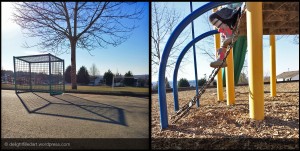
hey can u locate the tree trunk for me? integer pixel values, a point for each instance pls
(73, 64)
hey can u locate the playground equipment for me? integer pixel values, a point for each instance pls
(43, 73)
(183, 52)
(254, 12)
(195, 62)
(239, 55)
(184, 110)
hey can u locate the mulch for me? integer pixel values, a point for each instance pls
(215, 125)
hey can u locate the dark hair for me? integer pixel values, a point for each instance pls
(230, 21)
(213, 16)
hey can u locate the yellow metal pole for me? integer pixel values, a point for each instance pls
(230, 79)
(219, 75)
(273, 65)
(254, 39)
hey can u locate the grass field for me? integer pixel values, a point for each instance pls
(108, 88)
(90, 88)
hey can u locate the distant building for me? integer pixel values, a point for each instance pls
(6, 78)
(139, 80)
(288, 76)
(97, 80)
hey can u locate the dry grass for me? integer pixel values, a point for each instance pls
(87, 88)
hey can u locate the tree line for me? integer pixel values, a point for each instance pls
(85, 77)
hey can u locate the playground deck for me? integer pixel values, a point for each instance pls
(215, 119)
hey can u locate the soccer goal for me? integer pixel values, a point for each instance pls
(42, 73)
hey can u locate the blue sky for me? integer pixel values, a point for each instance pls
(287, 53)
(131, 55)
(134, 53)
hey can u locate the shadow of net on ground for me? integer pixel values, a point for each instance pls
(70, 106)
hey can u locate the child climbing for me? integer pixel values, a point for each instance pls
(225, 20)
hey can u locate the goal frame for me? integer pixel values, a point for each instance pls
(39, 73)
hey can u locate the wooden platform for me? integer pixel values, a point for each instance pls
(279, 18)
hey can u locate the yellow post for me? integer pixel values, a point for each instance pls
(219, 75)
(255, 67)
(273, 66)
(230, 79)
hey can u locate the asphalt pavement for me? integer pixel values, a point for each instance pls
(39, 115)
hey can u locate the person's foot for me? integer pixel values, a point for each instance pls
(218, 62)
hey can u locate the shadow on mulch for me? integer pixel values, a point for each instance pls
(275, 121)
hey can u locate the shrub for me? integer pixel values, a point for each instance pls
(183, 83)
(83, 76)
(201, 82)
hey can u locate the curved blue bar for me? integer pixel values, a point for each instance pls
(165, 55)
(180, 57)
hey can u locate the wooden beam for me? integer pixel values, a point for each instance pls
(283, 23)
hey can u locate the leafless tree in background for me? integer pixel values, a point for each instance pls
(94, 70)
(163, 22)
(207, 44)
(61, 27)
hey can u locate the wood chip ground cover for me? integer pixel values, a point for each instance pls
(216, 122)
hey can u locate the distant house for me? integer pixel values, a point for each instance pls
(141, 80)
(6, 78)
(97, 80)
(288, 76)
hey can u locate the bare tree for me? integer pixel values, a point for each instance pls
(94, 70)
(118, 75)
(207, 44)
(163, 22)
(62, 26)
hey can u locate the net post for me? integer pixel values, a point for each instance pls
(63, 76)
(49, 79)
(15, 74)
(30, 77)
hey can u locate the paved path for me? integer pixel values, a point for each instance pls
(39, 115)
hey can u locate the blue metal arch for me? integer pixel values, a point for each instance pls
(165, 55)
(180, 57)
